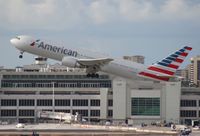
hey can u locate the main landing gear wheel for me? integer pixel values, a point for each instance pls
(93, 75)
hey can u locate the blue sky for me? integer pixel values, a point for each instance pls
(150, 28)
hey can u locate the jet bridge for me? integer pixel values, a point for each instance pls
(66, 117)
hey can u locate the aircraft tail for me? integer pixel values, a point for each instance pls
(166, 68)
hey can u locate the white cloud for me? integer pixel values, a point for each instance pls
(49, 14)
(102, 11)
(62, 14)
(180, 10)
(135, 11)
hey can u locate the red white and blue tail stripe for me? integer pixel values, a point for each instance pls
(167, 67)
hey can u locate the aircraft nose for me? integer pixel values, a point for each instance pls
(21, 42)
(14, 41)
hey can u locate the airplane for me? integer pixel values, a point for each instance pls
(163, 70)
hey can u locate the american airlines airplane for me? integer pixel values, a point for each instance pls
(163, 70)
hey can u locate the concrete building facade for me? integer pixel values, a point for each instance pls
(146, 101)
(136, 58)
(195, 70)
(189, 105)
(25, 91)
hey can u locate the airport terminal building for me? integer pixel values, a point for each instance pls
(26, 90)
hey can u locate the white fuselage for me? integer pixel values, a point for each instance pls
(118, 67)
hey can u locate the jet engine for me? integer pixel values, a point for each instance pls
(70, 62)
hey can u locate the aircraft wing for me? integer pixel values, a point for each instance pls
(94, 62)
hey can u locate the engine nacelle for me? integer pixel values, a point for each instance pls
(70, 62)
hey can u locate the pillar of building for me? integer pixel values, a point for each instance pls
(171, 94)
(36, 117)
(17, 111)
(103, 103)
(119, 99)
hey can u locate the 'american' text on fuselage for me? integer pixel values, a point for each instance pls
(57, 49)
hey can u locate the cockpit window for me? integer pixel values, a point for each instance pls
(37, 40)
(17, 38)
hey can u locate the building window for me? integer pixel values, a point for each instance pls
(188, 113)
(110, 102)
(8, 113)
(95, 113)
(81, 112)
(42, 83)
(44, 102)
(145, 106)
(110, 113)
(27, 113)
(8, 102)
(26, 102)
(47, 110)
(62, 102)
(80, 102)
(94, 102)
(63, 110)
(188, 103)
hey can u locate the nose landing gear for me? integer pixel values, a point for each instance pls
(21, 55)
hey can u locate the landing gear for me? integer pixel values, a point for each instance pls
(93, 75)
(21, 55)
(92, 71)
